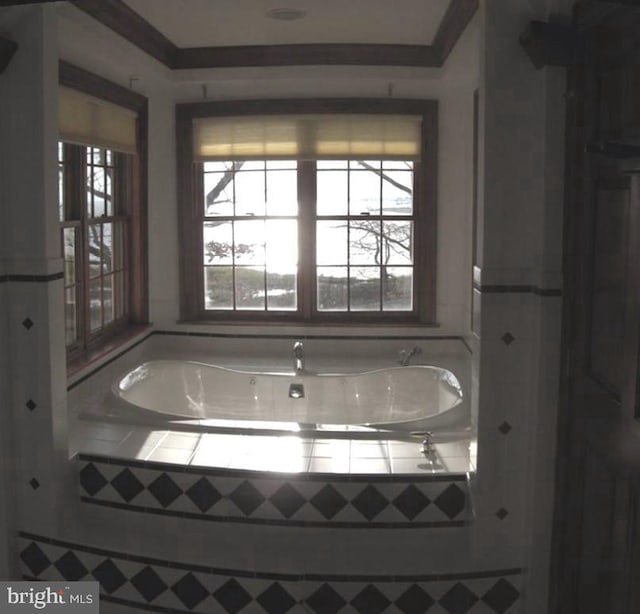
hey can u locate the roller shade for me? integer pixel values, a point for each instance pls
(86, 120)
(307, 137)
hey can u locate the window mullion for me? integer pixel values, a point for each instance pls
(349, 212)
(83, 196)
(306, 237)
(234, 293)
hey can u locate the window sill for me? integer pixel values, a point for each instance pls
(325, 323)
(80, 366)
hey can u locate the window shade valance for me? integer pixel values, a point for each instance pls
(86, 120)
(307, 137)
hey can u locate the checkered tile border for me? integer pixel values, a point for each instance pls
(398, 501)
(177, 588)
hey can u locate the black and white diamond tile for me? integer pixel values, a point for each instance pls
(177, 587)
(280, 499)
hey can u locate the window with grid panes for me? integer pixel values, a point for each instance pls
(102, 185)
(328, 239)
(93, 185)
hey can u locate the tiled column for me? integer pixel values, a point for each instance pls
(34, 320)
(517, 297)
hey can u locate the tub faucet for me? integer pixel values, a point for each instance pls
(298, 357)
(405, 356)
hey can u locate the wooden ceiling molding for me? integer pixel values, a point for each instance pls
(454, 22)
(123, 20)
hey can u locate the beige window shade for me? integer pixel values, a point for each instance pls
(307, 137)
(86, 120)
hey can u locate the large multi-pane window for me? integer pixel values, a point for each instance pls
(94, 216)
(362, 227)
(102, 209)
(343, 235)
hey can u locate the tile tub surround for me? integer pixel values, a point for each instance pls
(180, 444)
(174, 587)
(258, 497)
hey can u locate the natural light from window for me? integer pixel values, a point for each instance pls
(359, 235)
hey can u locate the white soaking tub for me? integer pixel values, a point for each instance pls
(398, 399)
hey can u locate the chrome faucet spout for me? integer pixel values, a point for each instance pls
(405, 356)
(298, 357)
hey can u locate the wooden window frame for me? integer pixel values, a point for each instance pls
(190, 215)
(131, 190)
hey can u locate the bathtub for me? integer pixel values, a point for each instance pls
(402, 399)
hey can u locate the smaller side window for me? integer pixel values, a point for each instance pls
(94, 213)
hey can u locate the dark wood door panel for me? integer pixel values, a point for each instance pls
(608, 530)
(596, 564)
(594, 587)
(633, 577)
(609, 286)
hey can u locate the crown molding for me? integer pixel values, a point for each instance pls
(123, 20)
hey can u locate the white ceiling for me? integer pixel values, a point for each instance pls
(211, 23)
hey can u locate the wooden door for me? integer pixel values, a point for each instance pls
(596, 538)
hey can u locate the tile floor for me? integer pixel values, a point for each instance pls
(279, 453)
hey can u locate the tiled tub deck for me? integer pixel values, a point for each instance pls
(284, 483)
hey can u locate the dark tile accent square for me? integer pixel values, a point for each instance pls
(164, 489)
(325, 600)
(414, 601)
(370, 502)
(31, 404)
(505, 427)
(149, 584)
(411, 501)
(232, 597)
(127, 485)
(276, 600)
(27, 323)
(287, 500)
(190, 591)
(34, 484)
(203, 495)
(247, 497)
(91, 480)
(502, 513)
(70, 566)
(451, 501)
(501, 596)
(36, 560)
(370, 601)
(508, 338)
(458, 600)
(328, 501)
(109, 576)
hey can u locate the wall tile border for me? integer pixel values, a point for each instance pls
(31, 278)
(517, 289)
(296, 500)
(176, 587)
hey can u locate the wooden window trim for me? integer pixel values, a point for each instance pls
(136, 244)
(189, 216)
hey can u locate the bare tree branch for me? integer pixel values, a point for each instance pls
(228, 175)
(378, 172)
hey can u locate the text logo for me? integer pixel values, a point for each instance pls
(72, 597)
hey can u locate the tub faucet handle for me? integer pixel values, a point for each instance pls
(405, 356)
(298, 356)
